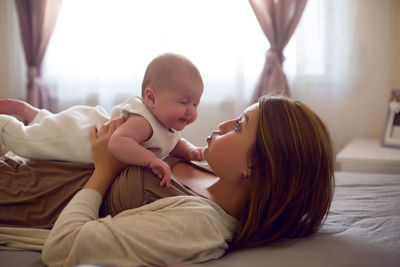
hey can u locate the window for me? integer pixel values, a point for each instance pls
(100, 48)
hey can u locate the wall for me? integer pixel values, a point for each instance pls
(12, 62)
(395, 43)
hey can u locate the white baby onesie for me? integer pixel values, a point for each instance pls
(65, 135)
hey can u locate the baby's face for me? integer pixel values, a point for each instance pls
(176, 107)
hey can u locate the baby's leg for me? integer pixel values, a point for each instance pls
(46, 140)
(61, 136)
(18, 108)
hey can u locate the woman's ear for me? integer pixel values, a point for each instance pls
(249, 171)
(149, 96)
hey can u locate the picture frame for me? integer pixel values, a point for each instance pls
(391, 132)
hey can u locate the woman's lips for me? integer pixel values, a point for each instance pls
(210, 138)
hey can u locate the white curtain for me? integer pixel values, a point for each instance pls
(341, 61)
(338, 61)
(325, 42)
(100, 48)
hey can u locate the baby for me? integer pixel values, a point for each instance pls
(171, 91)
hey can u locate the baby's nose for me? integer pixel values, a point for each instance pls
(191, 111)
(192, 114)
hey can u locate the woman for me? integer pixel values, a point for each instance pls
(272, 178)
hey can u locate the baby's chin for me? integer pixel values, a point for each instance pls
(180, 128)
(181, 125)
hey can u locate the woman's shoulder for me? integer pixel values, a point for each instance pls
(176, 203)
(192, 207)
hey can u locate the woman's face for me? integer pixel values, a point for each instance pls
(229, 148)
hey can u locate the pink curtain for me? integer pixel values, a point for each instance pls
(278, 19)
(37, 19)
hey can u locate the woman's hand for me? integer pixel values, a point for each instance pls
(102, 158)
(106, 165)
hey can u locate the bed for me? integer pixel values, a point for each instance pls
(362, 229)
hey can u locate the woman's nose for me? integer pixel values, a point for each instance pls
(225, 126)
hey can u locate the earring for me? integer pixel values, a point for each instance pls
(245, 175)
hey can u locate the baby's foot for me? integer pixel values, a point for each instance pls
(18, 108)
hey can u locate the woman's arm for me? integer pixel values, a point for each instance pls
(107, 166)
(174, 228)
(84, 206)
(163, 231)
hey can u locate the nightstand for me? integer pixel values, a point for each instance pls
(367, 155)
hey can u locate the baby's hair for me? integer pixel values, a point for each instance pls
(160, 70)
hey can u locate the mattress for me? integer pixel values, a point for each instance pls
(362, 229)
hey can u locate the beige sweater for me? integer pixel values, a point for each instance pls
(183, 228)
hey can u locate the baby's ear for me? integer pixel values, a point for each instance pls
(149, 96)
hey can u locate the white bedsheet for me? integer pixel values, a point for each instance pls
(367, 206)
(362, 229)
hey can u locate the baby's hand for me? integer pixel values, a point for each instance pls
(196, 154)
(162, 170)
